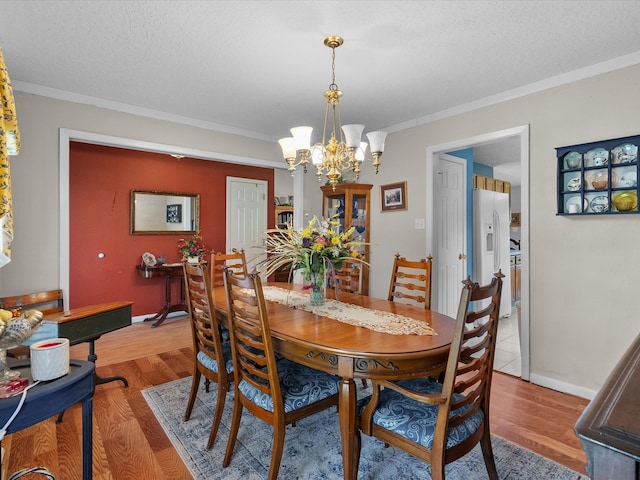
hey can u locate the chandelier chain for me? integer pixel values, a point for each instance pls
(333, 85)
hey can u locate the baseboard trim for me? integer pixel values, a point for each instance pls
(563, 387)
(141, 318)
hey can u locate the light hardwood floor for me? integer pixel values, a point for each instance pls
(128, 442)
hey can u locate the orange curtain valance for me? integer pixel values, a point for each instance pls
(9, 145)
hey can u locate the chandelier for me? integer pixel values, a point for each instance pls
(340, 153)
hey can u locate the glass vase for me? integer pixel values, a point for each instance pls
(316, 284)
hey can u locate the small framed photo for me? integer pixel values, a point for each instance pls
(515, 219)
(393, 197)
(174, 213)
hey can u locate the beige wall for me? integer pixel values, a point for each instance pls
(35, 175)
(583, 270)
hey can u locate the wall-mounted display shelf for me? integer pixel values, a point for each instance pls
(598, 178)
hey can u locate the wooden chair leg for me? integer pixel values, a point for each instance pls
(276, 453)
(217, 416)
(437, 468)
(233, 432)
(489, 459)
(195, 384)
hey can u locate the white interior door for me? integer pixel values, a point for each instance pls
(450, 232)
(246, 216)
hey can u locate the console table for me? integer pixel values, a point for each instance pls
(88, 324)
(168, 272)
(50, 398)
(609, 428)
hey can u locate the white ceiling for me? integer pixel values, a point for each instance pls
(259, 67)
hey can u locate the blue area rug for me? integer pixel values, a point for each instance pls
(312, 447)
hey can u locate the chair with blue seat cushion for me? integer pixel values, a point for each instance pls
(212, 355)
(277, 392)
(440, 422)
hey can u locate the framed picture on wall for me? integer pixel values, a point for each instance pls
(515, 219)
(174, 213)
(393, 197)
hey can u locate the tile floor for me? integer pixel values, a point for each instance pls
(507, 359)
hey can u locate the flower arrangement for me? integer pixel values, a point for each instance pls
(193, 247)
(316, 248)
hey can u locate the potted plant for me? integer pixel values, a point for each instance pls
(192, 249)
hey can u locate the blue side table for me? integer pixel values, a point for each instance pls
(48, 399)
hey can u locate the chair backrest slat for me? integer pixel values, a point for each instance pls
(467, 379)
(411, 280)
(204, 325)
(235, 260)
(349, 277)
(253, 352)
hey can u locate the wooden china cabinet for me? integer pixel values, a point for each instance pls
(350, 203)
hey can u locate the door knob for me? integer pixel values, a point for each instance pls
(462, 256)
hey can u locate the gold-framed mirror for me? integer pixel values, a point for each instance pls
(164, 213)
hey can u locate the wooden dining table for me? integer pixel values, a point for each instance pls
(354, 352)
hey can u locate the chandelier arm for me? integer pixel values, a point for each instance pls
(324, 131)
(337, 120)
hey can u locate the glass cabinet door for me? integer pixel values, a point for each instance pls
(350, 204)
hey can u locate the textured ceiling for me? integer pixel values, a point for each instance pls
(260, 67)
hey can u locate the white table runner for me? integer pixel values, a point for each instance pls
(376, 320)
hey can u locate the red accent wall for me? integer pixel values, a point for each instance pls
(100, 183)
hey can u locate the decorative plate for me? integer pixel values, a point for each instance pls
(573, 205)
(625, 153)
(597, 157)
(149, 259)
(574, 184)
(628, 179)
(625, 201)
(573, 159)
(599, 204)
(600, 179)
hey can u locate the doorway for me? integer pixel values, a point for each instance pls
(66, 136)
(433, 153)
(246, 216)
(449, 263)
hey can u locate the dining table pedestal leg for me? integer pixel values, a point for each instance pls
(347, 412)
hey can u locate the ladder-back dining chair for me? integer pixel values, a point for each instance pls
(440, 422)
(348, 278)
(212, 356)
(277, 392)
(411, 281)
(235, 260)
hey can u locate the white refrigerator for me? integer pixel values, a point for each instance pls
(491, 244)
